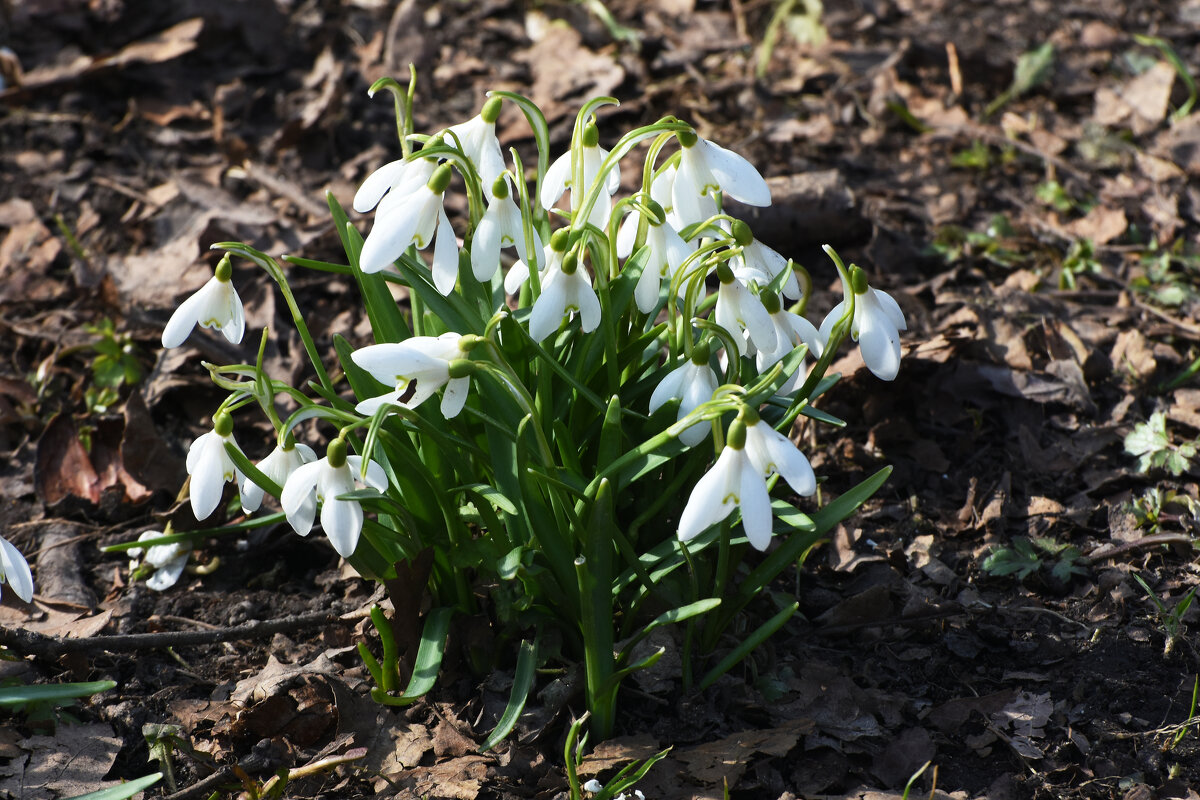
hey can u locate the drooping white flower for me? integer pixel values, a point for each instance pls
(666, 251)
(566, 290)
(740, 312)
(706, 168)
(876, 327)
(424, 359)
(501, 226)
(14, 570)
(324, 481)
(753, 452)
(210, 466)
(278, 465)
(760, 263)
(549, 259)
(214, 305)
(415, 218)
(693, 383)
(558, 179)
(398, 179)
(168, 560)
(479, 143)
(791, 330)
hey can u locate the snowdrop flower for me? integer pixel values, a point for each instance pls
(323, 481)
(667, 252)
(501, 226)
(428, 360)
(753, 452)
(210, 466)
(398, 178)
(168, 560)
(477, 136)
(594, 786)
(549, 259)
(278, 465)
(760, 263)
(876, 326)
(706, 168)
(215, 305)
(566, 290)
(791, 330)
(558, 179)
(741, 313)
(694, 383)
(14, 570)
(416, 219)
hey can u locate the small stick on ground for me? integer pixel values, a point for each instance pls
(51, 647)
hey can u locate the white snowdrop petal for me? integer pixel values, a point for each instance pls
(737, 177)
(369, 406)
(297, 497)
(831, 320)
(15, 570)
(756, 506)
(668, 387)
(455, 397)
(880, 345)
(891, 308)
(445, 256)
(548, 309)
(180, 325)
(485, 247)
(377, 184)
(391, 235)
(342, 521)
(554, 182)
(707, 503)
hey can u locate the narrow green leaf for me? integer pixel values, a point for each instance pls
(125, 790)
(11, 696)
(522, 684)
(429, 656)
(748, 645)
(491, 494)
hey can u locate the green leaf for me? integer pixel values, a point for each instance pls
(491, 494)
(522, 684)
(1033, 69)
(748, 645)
(12, 696)
(429, 659)
(125, 790)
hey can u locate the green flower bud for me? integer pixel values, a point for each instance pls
(224, 270)
(724, 273)
(491, 109)
(658, 212)
(570, 263)
(687, 138)
(460, 368)
(748, 415)
(591, 135)
(440, 179)
(469, 342)
(742, 233)
(558, 240)
(736, 437)
(336, 454)
(500, 188)
(701, 353)
(858, 279)
(770, 301)
(222, 423)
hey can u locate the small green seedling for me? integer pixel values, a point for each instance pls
(1025, 556)
(1032, 70)
(1151, 510)
(1151, 444)
(1170, 619)
(1192, 720)
(1080, 260)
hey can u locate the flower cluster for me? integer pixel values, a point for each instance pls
(584, 350)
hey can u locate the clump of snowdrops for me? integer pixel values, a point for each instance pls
(575, 420)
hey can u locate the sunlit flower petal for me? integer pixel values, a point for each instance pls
(14, 570)
(215, 305)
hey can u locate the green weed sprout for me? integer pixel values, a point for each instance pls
(1170, 619)
(565, 441)
(1151, 444)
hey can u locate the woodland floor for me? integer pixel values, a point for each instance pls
(1047, 256)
